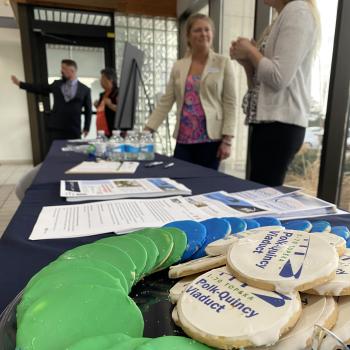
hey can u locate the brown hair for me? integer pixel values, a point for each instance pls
(70, 63)
(193, 19)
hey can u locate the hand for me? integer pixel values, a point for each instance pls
(15, 80)
(96, 103)
(224, 151)
(146, 128)
(108, 102)
(85, 133)
(241, 49)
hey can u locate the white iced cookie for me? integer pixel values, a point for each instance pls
(284, 261)
(316, 310)
(220, 311)
(221, 246)
(340, 285)
(175, 317)
(339, 243)
(342, 326)
(196, 266)
(179, 287)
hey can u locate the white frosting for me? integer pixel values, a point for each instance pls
(176, 291)
(196, 266)
(286, 260)
(337, 286)
(221, 246)
(339, 243)
(225, 311)
(342, 326)
(175, 317)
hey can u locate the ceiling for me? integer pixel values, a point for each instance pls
(165, 8)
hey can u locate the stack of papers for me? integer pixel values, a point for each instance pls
(84, 190)
(103, 167)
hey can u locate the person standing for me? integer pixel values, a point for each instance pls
(202, 85)
(278, 71)
(71, 99)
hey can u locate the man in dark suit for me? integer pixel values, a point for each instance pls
(71, 98)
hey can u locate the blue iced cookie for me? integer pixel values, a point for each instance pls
(251, 224)
(298, 225)
(341, 231)
(237, 224)
(321, 226)
(216, 229)
(348, 243)
(268, 221)
(196, 234)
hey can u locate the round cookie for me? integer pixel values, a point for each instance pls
(176, 291)
(321, 226)
(220, 311)
(131, 344)
(251, 224)
(65, 277)
(111, 255)
(195, 232)
(221, 246)
(258, 230)
(268, 221)
(152, 251)
(283, 261)
(196, 266)
(164, 242)
(237, 224)
(340, 285)
(341, 327)
(135, 250)
(341, 231)
(180, 244)
(175, 317)
(335, 241)
(298, 225)
(68, 314)
(172, 343)
(102, 342)
(216, 229)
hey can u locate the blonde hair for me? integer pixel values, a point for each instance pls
(192, 20)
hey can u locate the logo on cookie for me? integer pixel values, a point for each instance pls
(294, 255)
(344, 263)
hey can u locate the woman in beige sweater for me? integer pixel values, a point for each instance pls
(202, 85)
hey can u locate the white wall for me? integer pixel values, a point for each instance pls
(15, 142)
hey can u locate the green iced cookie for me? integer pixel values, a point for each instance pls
(135, 250)
(152, 251)
(102, 342)
(65, 277)
(164, 242)
(180, 244)
(173, 343)
(130, 344)
(58, 265)
(69, 314)
(112, 255)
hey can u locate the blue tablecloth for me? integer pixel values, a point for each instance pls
(20, 258)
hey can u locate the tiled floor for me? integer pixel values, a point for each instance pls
(9, 176)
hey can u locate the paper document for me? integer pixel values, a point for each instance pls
(104, 167)
(80, 190)
(69, 221)
(261, 194)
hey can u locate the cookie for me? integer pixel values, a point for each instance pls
(341, 231)
(102, 342)
(176, 291)
(221, 246)
(251, 224)
(340, 285)
(172, 343)
(258, 230)
(298, 225)
(175, 317)
(69, 314)
(268, 221)
(197, 266)
(284, 261)
(335, 241)
(237, 224)
(216, 229)
(341, 327)
(135, 250)
(108, 254)
(131, 344)
(195, 232)
(321, 226)
(220, 311)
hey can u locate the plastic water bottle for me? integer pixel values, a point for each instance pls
(116, 147)
(146, 146)
(101, 145)
(132, 146)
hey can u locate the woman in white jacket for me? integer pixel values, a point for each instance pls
(278, 70)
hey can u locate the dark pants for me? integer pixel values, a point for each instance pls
(204, 154)
(272, 149)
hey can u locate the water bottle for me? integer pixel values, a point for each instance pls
(132, 146)
(146, 146)
(116, 147)
(100, 144)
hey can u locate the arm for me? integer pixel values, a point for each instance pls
(164, 105)
(292, 45)
(87, 112)
(40, 89)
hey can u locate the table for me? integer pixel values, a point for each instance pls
(20, 258)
